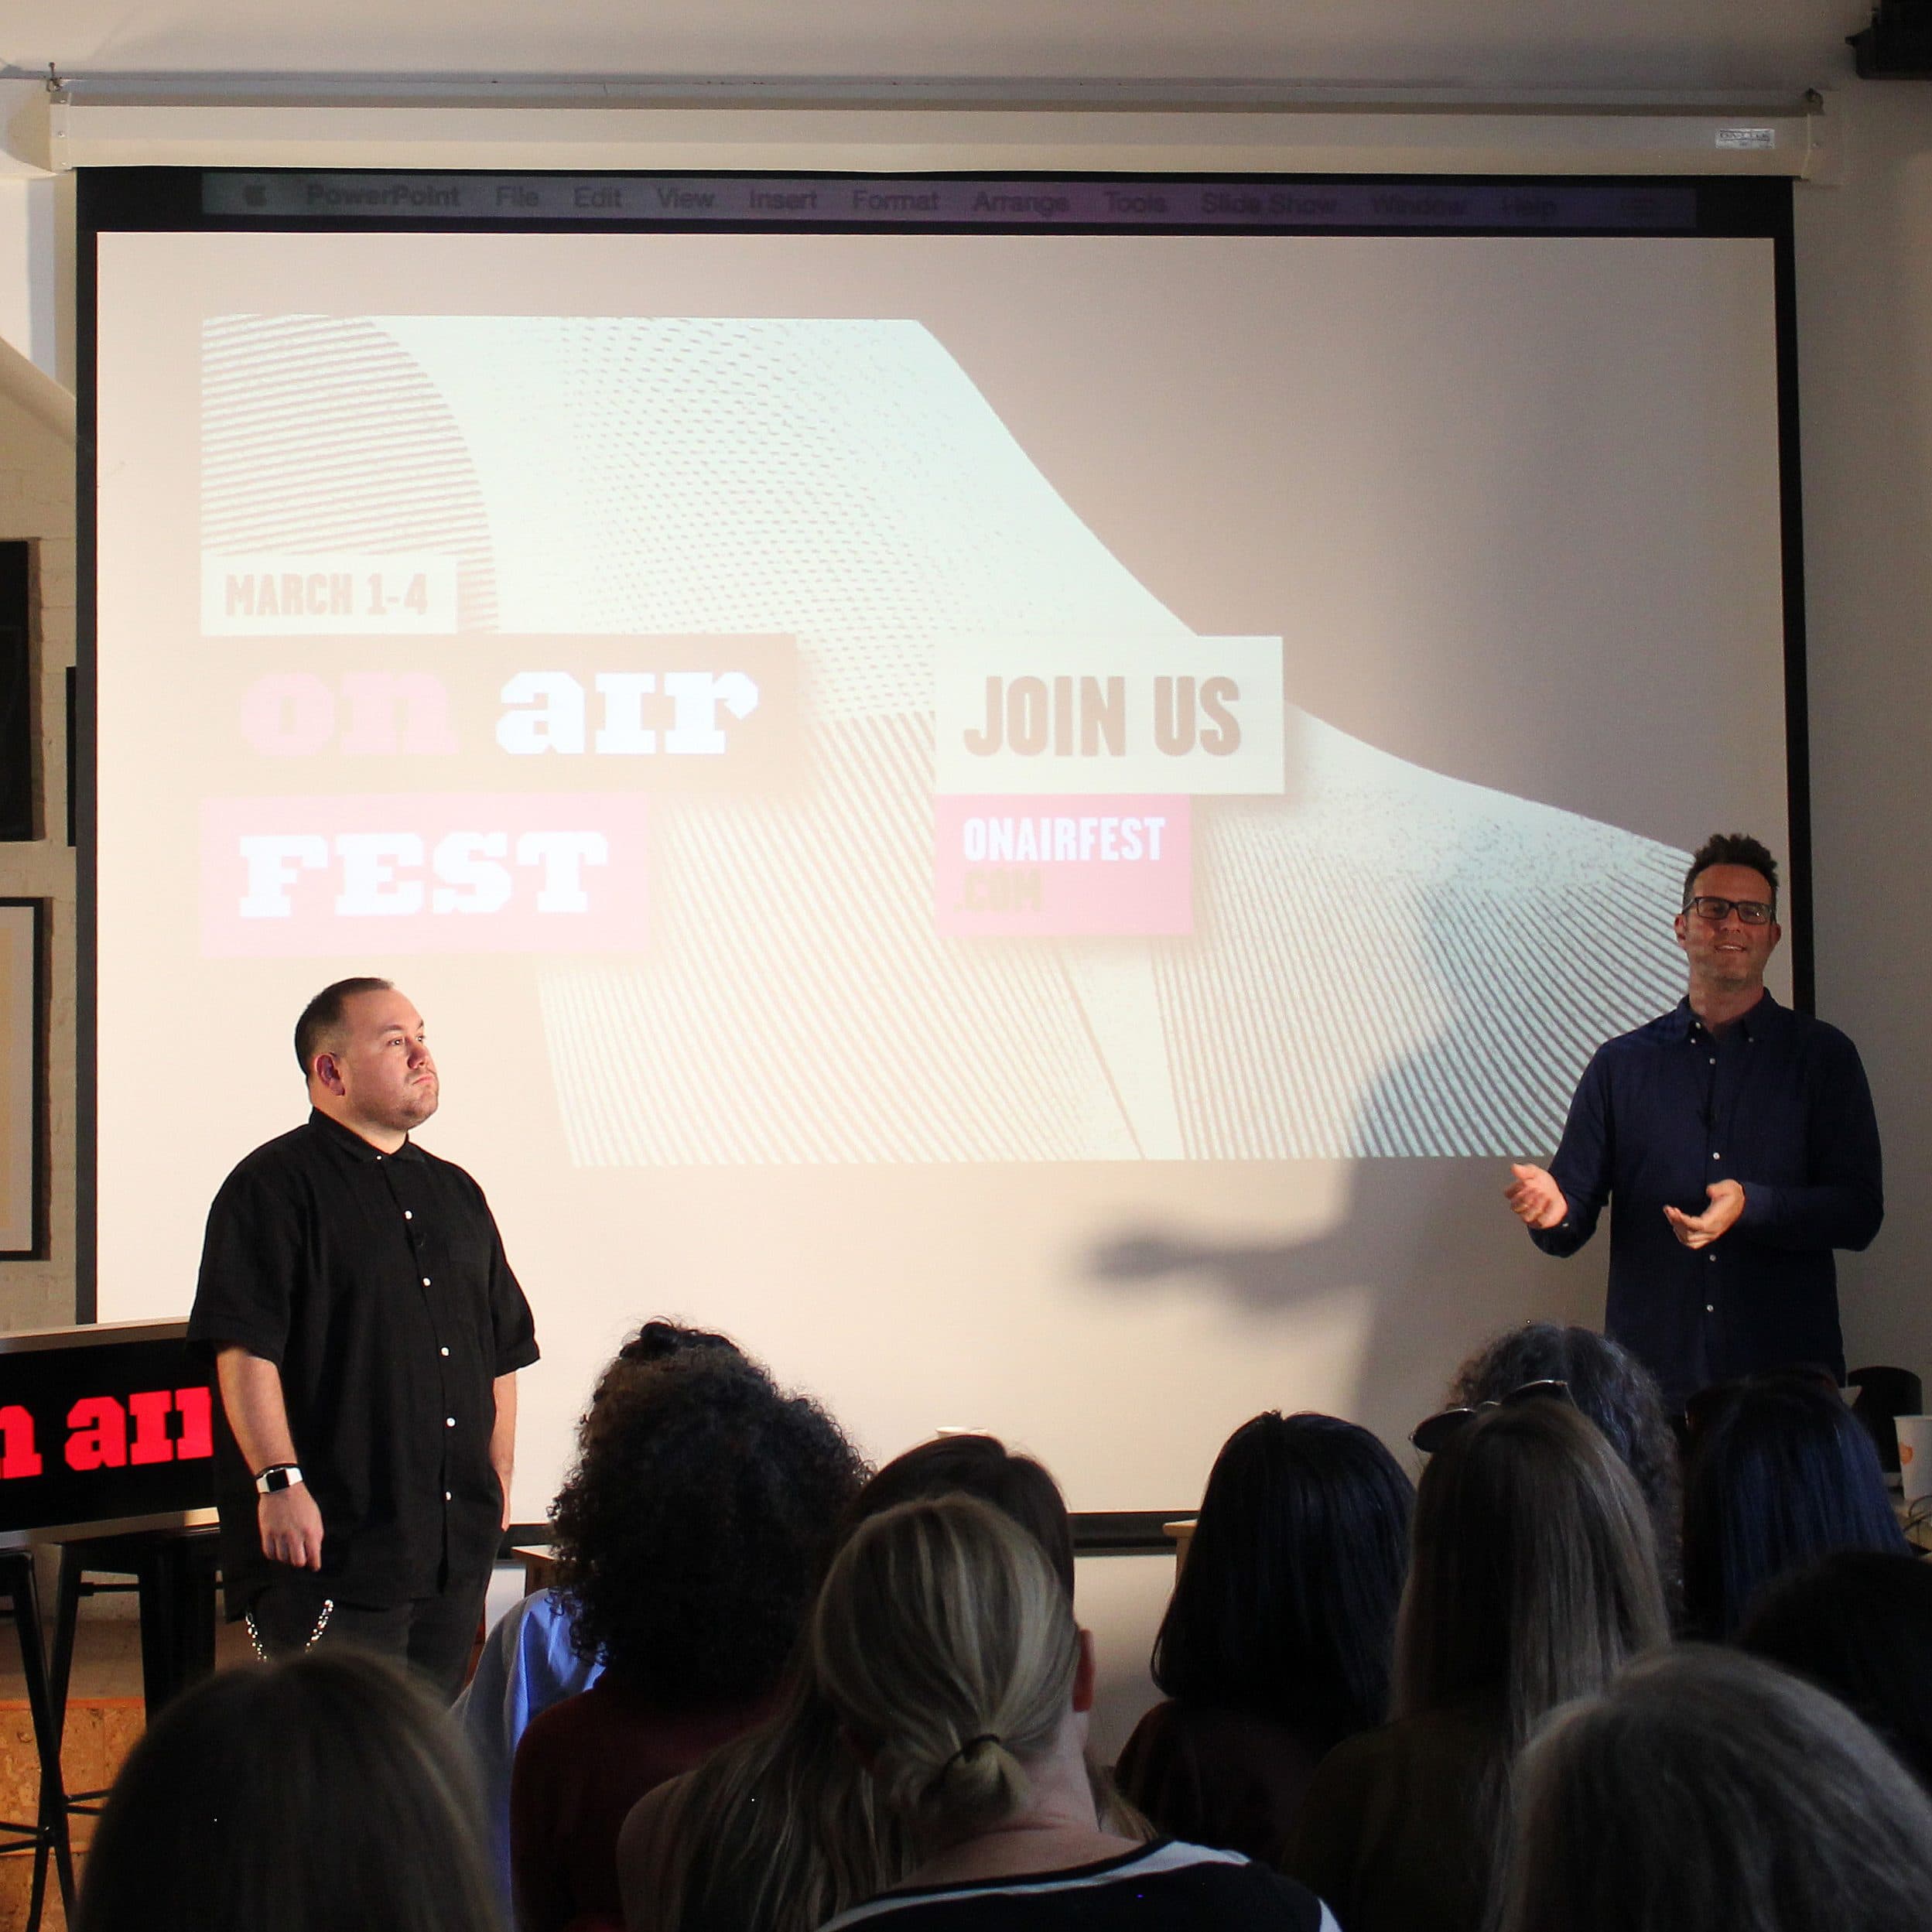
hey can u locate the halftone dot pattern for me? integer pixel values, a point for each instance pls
(1385, 962)
(843, 482)
(798, 1005)
(318, 433)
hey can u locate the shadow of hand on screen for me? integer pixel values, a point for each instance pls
(1427, 1250)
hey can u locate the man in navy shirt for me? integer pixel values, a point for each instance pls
(1736, 1140)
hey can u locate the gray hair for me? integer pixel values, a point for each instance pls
(1706, 1789)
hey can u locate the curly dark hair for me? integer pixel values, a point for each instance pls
(692, 1532)
(1732, 848)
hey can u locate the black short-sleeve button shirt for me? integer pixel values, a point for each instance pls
(377, 1284)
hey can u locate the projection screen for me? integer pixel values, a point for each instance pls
(1017, 793)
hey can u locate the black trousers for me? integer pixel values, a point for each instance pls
(433, 1634)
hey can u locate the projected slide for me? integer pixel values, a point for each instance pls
(1032, 799)
(717, 643)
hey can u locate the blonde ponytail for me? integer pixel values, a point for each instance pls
(948, 1647)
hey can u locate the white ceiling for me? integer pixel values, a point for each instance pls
(1527, 44)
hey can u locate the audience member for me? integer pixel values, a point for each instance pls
(324, 1792)
(1708, 1792)
(1532, 1580)
(981, 1465)
(530, 1660)
(1277, 1642)
(1780, 1472)
(1858, 1624)
(949, 1652)
(778, 1831)
(1614, 1390)
(690, 1538)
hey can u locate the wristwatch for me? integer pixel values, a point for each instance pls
(277, 1475)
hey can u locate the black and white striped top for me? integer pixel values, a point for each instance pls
(1166, 1887)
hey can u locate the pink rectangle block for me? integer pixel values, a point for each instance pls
(424, 872)
(1055, 867)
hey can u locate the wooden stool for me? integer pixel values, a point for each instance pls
(49, 1832)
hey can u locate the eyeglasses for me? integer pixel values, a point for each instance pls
(1749, 911)
(1433, 1432)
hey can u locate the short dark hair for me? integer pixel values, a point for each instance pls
(328, 1790)
(1613, 1389)
(1732, 848)
(1285, 1608)
(980, 1466)
(695, 1525)
(1781, 1473)
(1858, 1624)
(323, 1015)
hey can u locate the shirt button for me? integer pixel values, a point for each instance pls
(408, 1216)
(443, 1352)
(426, 1279)
(447, 1497)
(1715, 1156)
(448, 1422)
(1709, 1308)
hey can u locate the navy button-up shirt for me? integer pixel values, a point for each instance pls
(1779, 1103)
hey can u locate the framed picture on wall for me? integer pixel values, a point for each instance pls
(23, 1149)
(17, 760)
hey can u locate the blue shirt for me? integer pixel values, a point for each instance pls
(528, 1664)
(1777, 1102)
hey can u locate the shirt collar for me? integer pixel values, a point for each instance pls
(348, 1141)
(1754, 1025)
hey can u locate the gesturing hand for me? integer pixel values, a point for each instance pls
(1534, 1199)
(291, 1528)
(1700, 1230)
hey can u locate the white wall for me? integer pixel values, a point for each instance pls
(1865, 335)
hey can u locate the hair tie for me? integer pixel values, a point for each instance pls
(971, 1746)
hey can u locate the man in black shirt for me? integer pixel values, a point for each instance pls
(367, 1332)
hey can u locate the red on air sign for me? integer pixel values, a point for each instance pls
(111, 1425)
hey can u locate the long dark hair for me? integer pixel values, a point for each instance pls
(326, 1791)
(1613, 1389)
(1782, 1472)
(1285, 1607)
(1534, 1578)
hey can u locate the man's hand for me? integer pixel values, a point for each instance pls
(1700, 1230)
(291, 1528)
(1534, 1199)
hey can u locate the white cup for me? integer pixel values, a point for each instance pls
(1915, 1456)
